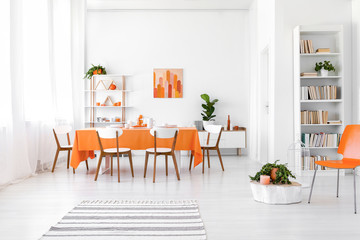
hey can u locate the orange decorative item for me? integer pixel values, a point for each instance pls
(236, 128)
(112, 87)
(103, 105)
(349, 149)
(273, 173)
(228, 123)
(98, 104)
(264, 179)
(96, 72)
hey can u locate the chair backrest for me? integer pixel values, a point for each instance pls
(109, 132)
(349, 145)
(214, 129)
(163, 132)
(63, 129)
(60, 130)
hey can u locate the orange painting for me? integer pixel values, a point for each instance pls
(168, 83)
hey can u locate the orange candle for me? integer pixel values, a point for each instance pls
(97, 104)
(265, 179)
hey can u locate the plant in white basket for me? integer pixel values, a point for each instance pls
(209, 109)
(324, 68)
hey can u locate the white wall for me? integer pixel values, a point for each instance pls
(288, 15)
(356, 59)
(211, 46)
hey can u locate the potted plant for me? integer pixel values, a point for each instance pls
(279, 173)
(95, 70)
(324, 68)
(208, 110)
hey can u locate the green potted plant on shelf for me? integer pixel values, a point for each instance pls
(324, 68)
(95, 70)
(279, 173)
(208, 110)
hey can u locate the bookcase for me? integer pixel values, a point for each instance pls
(321, 37)
(97, 93)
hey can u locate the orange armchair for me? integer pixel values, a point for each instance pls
(350, 149)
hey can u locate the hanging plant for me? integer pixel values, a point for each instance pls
(95, 70)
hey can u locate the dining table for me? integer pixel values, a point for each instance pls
(86, 142)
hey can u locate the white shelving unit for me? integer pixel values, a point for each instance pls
(94, 95)
(322, 37)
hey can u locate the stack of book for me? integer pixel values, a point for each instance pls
(321, 139)
(310, 74)
(314, 117)
(318, 92)
(308, 163)
(334, 122)
(306, 46)
(323, 50)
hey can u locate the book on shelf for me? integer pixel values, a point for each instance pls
(334, 122)
(314, 117)
(319, 92)
(323, 50)
(306, 46)
(308, 163)
(308, 74)
(325, 140)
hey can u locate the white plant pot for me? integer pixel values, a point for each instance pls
(324, 73)
(206, 123)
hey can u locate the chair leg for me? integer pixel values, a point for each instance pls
(154, 168)
(208, 157)
(68, 160)
(203, 162)
(354, 190)
(176, 166)
(118, 166)
(312, 184)
(55, 159)
(131, 164)
(87, 165)
(191, 158)
(337, 190)
(222, 165)
(146, 163)
(98, 167)
(111, 166)
(166, 164)
(73, 170)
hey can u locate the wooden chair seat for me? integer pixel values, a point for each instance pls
(159, 150)
(113, 150)
(208, 146)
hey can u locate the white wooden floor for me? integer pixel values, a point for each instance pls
(29, 208)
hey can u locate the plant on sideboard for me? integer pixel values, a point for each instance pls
(279, 173)
(95, 70)
(208, 109)
(324, 68)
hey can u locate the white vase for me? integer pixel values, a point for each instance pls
(324, 73)
(206, 123)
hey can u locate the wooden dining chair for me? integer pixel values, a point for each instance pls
(210, 129)
(162, 133)
(110, 133)
(62, 130)
(349, 148)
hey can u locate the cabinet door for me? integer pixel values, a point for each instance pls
(234, 139)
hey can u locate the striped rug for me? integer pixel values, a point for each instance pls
(131, 220)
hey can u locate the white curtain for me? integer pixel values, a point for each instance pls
(37, 82)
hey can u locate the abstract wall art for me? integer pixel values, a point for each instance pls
(168, 83)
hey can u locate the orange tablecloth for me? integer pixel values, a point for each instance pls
(86, 142)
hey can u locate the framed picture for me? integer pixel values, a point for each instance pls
(168, 83)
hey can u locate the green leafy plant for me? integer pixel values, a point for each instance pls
(282, 174)
(209, 108)
(324, 65)
(95, 70)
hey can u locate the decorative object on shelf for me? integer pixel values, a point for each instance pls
(264, 180)
(98, 104)
(228, 127)
(282, 173)
(111, 86)
(324, 68)
(306, 46)
(117, 104)
(207, 114)
(236, 128)
(198, 125)
(108, 98)
(168, 83)
(149, 122)
(95, 70)
(308, 74)
(323, 50)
